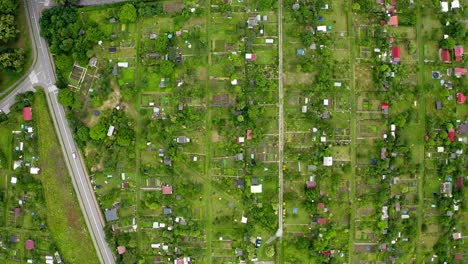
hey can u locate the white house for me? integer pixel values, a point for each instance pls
(244, 220)
(269, 41)
(455, 4)
(322, 28)
(34, 170)
(122, 64)
(444, 6)
(256, 188)
(304, 109)
(110, 132)
(327, 161)
(14, 180)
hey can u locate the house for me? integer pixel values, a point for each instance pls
(444, 6)
(463, 129)
(27, 113)
(321, 221)
(252, 21)
(458, 256)
(384, 107)
(456, 236)
(250, 57)
(112, 20)
(154, 55)
(322, 29)
(29, 244)
(455, 4)
(451, 135)
(110, 131)
(239, 156)
(300, 52)
(14, 180)
(444, 55)
(396, 54)
(446, 189)
(249, 134)
(152, 36)
(393, 21)
(311, 185)
(461, 98)
(162, 83)
(244, 220)
(327, 161)
(459, 183)
(269, 41)
(304, 109)
(438, 105)
(240, 183)
(92, 62)
(14, 239)
(121, 250)
(458, 50)
(239, 252)
(321, 205)
(397, 207)
(167, 161)
(383, 153)
(182, 139)
(115, 70)
(384, 213)
(113, 49)
(240, 140)
(111, 215)
(166, 189)
(34, 170)
(122, 64)
(167, 210)
(125, 185)
(256, 188)
(459, 72)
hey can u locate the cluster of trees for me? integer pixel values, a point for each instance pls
(10, 58)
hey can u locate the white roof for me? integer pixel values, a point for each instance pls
(248, 56)
(256, 188)
(34, 170)
(244, 220)
(440, 149)
(323, 139)
(110, 131)
(14, 180)
(322, 28)
(393, 127)
(156, 245)
(455, 4)
(327, 161)
(123, 64)
(444, 6)
(269, 41)
(337, 84)
(241, 139)
(17, 164)
(155, 224)
(30, 130)
(234, 82)
(325, 101)
(304, 109)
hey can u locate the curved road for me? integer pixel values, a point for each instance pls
(42, 74)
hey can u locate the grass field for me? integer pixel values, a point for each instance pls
(63, 212)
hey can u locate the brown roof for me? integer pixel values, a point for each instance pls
(167, 189)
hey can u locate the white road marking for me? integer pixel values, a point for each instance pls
(33, 77)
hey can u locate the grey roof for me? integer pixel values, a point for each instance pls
(239, 252)
(111, 215)
(115, 70)
(438, 105)
(112, 20)
(167, 210)
(240, 182)
(167, 161)
(240, 156)
(183, 139)
(254, 181)
(112, 49)
(463, 129)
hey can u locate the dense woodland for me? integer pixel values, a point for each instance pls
(11, 59)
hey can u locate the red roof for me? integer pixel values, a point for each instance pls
(461, 98)
(396, 53)
(121, 250)
(392, 40)
(321, 205)
(167, 189)
(451, 135)
(311, 184)
(458, 52)
(458, 256)
(445, 55)
(384, 105)
(393, 21)
(249, 134)
(326, 253)
(17, 212)
(460, 71)
(29, 244)
(393, 2)
(459, 183)
(27, 113)
(383, 22)
(322, 221)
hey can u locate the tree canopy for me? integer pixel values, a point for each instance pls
(8, 29)
(11, 59)
(127, 13)
(8, 6)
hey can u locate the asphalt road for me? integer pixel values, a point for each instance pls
(42, 74)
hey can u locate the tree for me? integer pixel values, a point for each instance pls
(66, 2)
(66, 97)
(356, 7)
(12, 59)
(448, 43)
(161, 44)
(166, 68)
(8, 29)
(98, 132)
(8, 6)
(83, 133)
(127, 13)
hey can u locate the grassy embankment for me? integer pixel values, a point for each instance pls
(64, 216)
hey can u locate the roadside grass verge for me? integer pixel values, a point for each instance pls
(64, 217)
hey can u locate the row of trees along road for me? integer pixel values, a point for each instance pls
(11, 58)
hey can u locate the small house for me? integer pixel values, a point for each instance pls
(322, 29)
(256, 188)
(321, 205)
(393, 21)
(327, 161)
(311, 185)
(152, 36)
(250, 57)
(249, 134)
(455, 4)
(458, 50)
(240, 183)
(396, 54)
(383, 153)
(463, 129)
(113, 49)
(446, 189)
(384, 107)
(252, 21)
(438, 105)
(459, 72)
(110, 131)
(239, 156)
(166, 189)
(167, 210)
(29, 244)
(444, 55)
(121, 250)
(321, 221)
(269, 41)
(240, 140)
(182, 139)
(122, 64)
(456, 236)
(111, 215)
(300, 52)
(167, 161)
(14, 239)
(444, 6)
(459, 183)
(27, 113)
(304, 109)
(451, 135)
(112, 20)
(34, 170)
(92, 62)
(115, 70)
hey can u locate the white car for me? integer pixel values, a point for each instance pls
(74, 154)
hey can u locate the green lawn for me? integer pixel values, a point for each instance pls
(64, 216)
